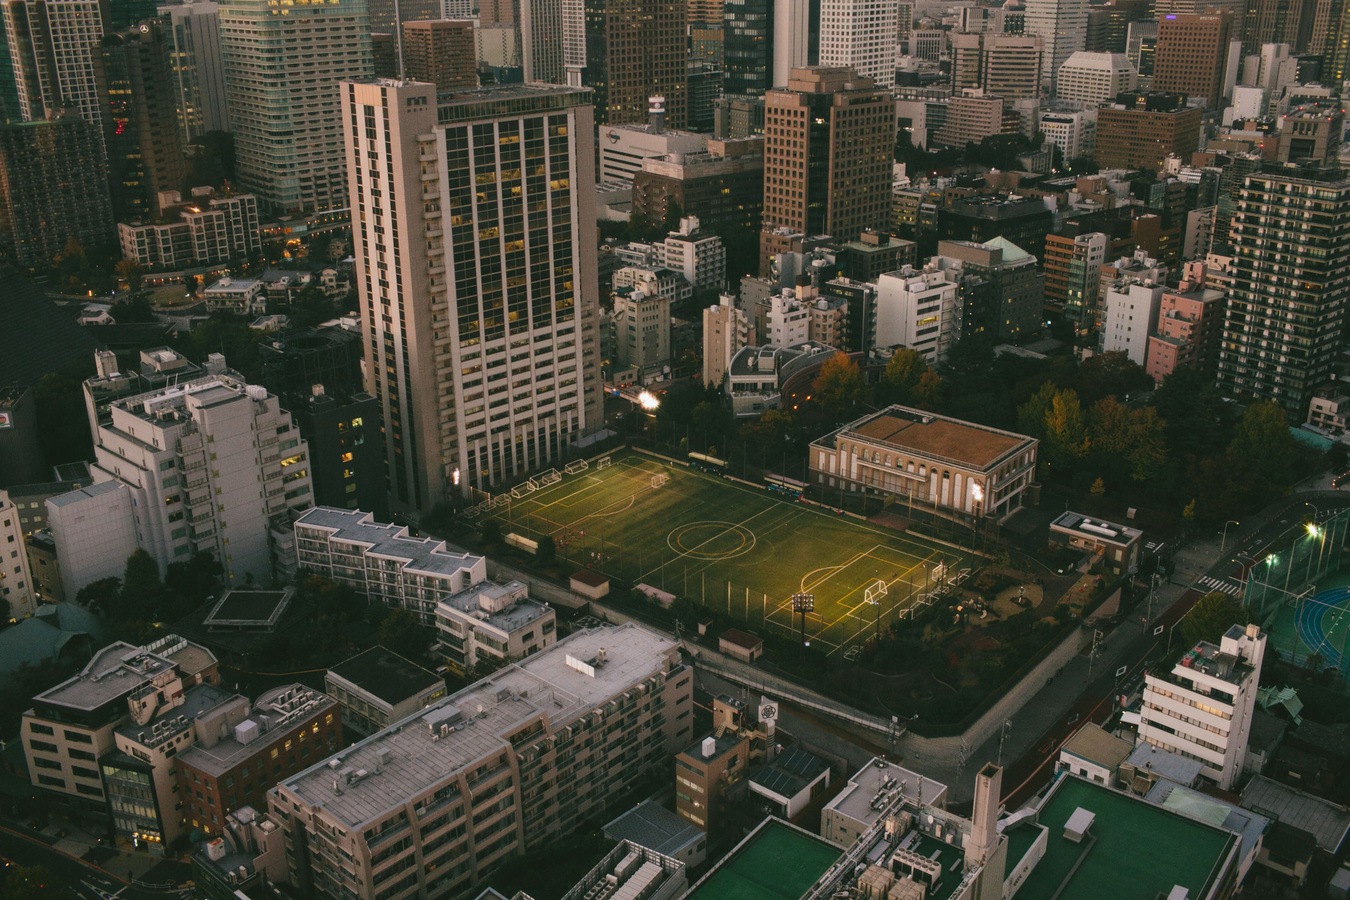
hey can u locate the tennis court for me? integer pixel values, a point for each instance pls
(731, 547)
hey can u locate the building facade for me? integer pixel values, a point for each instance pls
(1187, 332)
(16, 580)
(627, 52)
(861, 35)
(917, 308)
(377, 687)
(433, 804)
(1142, 130)
(1192, 55)
(482, 346)
(198, 72)
(54, 49)
(206, 230)
(281, 75)
(441, 52)
(726, 329)
(1094, 78)
(954, 466)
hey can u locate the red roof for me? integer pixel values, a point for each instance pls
(586, 576)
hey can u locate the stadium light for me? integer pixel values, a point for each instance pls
(647, 400)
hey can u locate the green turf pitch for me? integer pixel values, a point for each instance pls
(733, 548)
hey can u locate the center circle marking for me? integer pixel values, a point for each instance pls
(711, 540)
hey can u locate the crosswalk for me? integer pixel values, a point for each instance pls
(1210, 584)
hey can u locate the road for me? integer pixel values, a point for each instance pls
(79, 878)
(1032, 771)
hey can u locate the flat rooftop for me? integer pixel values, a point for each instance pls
(519, 613)
(422, 555)
(653, 826)
(1095, 744)
(282, 706)
(776, 861)
(928, 435)
(248, 608)
(1171, 766)
(545, 686)
(1133, 850)
(120, 668)
(858, 800)
(385, 675)
(1096, 529)
(1326, 821)
(790, 773)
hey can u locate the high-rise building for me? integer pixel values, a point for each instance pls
(861, 35)
(145, 143)
(1005, 65)
(724, 183)
(1192, 56)
(1062, 25)
(1141, 49)
(796, 37)
(1073, 266)
(747, 43)
(829, 137)
(1276, 22)
(1140, 130)
(214, 465)
(1311, 133)
(1108, 23)
(441, 52)
(1287, 307)
(1202, 709)
(628, 51)
(477, 278)
(198, 72)
(382, 17)
(55, 50)
(53, 188)
(541, 25)
(725, 331)
(492, 771)
(1094, 78)
(282, 73)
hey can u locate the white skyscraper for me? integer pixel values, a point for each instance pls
(1062, 25)
(197, 66)
(862, 34)
(474, 235)
(281, 75)
(54, 44)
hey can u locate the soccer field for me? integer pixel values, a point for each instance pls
(733, 548)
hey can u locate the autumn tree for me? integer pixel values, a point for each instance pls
(1065, 432)
(928, 392)
(1031, 415)
(838, 387)
(903, 372)
(131, 272)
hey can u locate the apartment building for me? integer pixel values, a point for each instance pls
(641, 330)
(207, 229)
(17, 589)
(377, 687)
(700, 257)
(1203, 707)
(71, 725)
(917, 308)
(1131, 312)
(432, 804)
(726, 329)
(1140, 130)
(490, 625)
(1187, 331)
(384, 562)
(861, 35)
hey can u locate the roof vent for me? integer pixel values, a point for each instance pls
(1077, 827)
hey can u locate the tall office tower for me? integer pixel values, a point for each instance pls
(1273, 22)
(55, 46)
(145, 144)
(628, 51)
(828, 140)
(9, 94)
(796, 37)
(1108, 23)
(1141, 49)
(703, 13)
(1006, 65)
(1336, 51)
(498, 12)
(1282, 328)
(860, 34)
(1192, 56)
(1141, 129)
(1062, 25)
(1094, 78)
(198, 72)
(382, 16)
(441, 52)
(480, 304)
(541, 24)
(282, 73)
(747, 46)
(53, 187)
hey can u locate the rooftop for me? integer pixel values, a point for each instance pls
(79, 495)
(120, 668)
(1203, 808)
(1326, 821)
(240, 608)
(429, 747)
(421, 555)
(1097, 529)
(172, 720)
(1096, 745)
(1133, 849)
(935, 437)
(275, 714)
(868, 789)
(776, 861)
(506, 607)
(791, 772)
(653, 826)
(385, 675)
(1172, 766)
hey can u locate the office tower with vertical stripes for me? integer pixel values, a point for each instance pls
(473, 227)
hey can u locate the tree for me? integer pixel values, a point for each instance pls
(1098, 487)
(143, 592)
(1110, 374)
(1031, 415)
(903, 371)
(63, 426)
(1148, 445)
(1211, 616)
(31, 883)
(401, 632)
(928, 392)
(490, 532)
(1065, 433)
(100, 596)
(131, 272)
(547, 551)
(838, 387)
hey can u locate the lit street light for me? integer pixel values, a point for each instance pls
(1224, 543)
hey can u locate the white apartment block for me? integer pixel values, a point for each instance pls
(208, 230)
(96, 526)
(16, 581)
(862, 34)
(55, 46)
(641, 330)
(1131, 315)
(917, 308)
(71, 726)
(1074, 133)
(491, 625)
(1094, 78)
(1203, 708)
(384, 562)
(241, 296)
(282, 74)
(726, 329)
(787, 321)
(654, 280)
(213, 465)
(479, 290)
(430, 805)
(700, 258)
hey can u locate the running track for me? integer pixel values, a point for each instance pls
(1310, 621)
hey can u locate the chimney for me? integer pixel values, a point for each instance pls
(984, 816)
(656, 114)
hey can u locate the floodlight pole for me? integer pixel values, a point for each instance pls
(803, 603)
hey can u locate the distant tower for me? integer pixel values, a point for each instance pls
(626, 51)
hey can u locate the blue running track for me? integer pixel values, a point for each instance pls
(1311, 621)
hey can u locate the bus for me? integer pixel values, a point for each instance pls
(710, 464)
(784, 486)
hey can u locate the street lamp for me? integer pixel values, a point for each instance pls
(803, 603)
(1224, 543)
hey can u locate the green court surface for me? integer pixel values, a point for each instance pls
(734, 548)
(776, 863)
(1315, 624)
